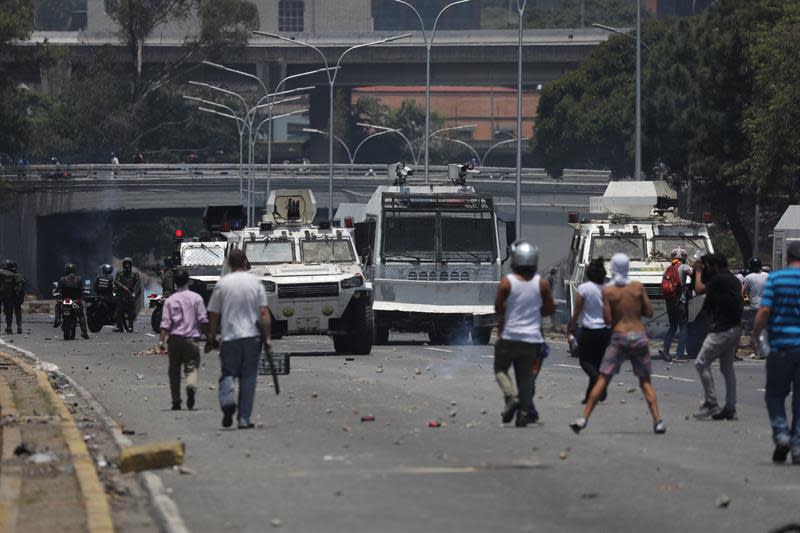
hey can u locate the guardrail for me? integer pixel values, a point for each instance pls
(199, 171)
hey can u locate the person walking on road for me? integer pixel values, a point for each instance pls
(183, 318)
(129, 289)
(624, 303)
(779, 313)
(523, 297)
(752, 288)
(238, 309)
(724, 304)
(594, 334)
(673, 288)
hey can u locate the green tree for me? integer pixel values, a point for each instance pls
(500, 14)
(16, 19)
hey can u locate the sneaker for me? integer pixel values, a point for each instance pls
(522, 419)
(726, 413)
(781, 452)
(508, 413)
(578, 425)
(190, 397)
(176, 406)
(707, 411)
(246, 425)
(227, 415)
(659, 428)
(665, 356)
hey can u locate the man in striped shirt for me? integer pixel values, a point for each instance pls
(780, 314)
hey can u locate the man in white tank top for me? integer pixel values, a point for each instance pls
(523, 297)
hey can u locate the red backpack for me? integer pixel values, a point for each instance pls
(671, 282)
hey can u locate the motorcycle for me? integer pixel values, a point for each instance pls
(156, 303)
(100, 312)
(70, 310)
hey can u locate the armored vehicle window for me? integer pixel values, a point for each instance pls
(630, 244)
(202, 255)
(269, 252)
(663, 245)
(410, 237)
(327, 251)
(467, 238)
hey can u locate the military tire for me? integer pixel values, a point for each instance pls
(69, 331)
(342, 344)
(94, 322)
(363, 332)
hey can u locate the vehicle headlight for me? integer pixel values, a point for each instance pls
(351, 283)
(269, 286)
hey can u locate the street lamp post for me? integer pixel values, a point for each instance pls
(331, 82)
(428, 45)
(518, 203)
(495, 145)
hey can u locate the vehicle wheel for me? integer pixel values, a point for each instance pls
(94, 322)
(69, 332)
(481, 336)
(342, 344)
(155, 320)
(381, 334)
(363, 332)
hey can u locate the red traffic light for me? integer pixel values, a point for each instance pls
(707, 218)
(348, 222)
(179, 234)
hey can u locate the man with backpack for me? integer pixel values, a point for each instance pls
(673, 288)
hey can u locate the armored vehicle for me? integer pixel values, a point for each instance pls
(313, 276)
(638, 218)
(434, 258)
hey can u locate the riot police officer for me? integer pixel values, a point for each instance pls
(104, 283)
(168, 278)
(71, 286)
(129, 288)
(6, 291)
(17, 281)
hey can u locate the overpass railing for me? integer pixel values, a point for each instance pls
(195, 171)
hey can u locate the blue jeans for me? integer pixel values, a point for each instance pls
(783, 375)
(239, 359)
(678, 319)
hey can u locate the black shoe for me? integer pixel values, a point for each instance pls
(85, 335)
(707, 411)
(726, 413)
(508, 413)
(522, 419)
(578, 425)
(246, 425)
(659, 428)
(19, 330)
(8, 330)
(176, 406)
(190, 397)
(665, 356)
(781, 452)
(533, 418)
(227, 415)
(56, 324)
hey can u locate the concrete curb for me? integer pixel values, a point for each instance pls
(10, 475)
(167, 514)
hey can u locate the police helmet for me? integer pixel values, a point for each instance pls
(755, 265)
(106, 269)
(679, 253)
(524, 254)
(7, 264)
(11, 265)
(127, 262)
(69, 268)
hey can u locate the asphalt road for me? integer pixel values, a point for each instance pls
(313, 465)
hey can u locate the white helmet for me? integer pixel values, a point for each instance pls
(679, 253)
(524, 254)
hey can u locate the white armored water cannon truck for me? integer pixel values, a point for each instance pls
(434, 258)
(314, 280)
(638, 218)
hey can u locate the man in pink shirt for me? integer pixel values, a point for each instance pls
(183, 318)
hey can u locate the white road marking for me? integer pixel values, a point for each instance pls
(438, 349)
(568, 366)
(674, 378)
(150, 334)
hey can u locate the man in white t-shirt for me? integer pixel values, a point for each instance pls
(753, 288)
(238, 308)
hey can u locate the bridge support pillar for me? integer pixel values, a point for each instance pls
(318, 116)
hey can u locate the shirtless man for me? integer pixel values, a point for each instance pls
(624, 304)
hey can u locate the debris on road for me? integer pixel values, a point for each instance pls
(151, 456)
(276, 522)
(349, 358)
(140, 376)
(23, 449)
(723, 502)
(434, 424)
(563, 455)
(184, 470)
(41, 458)
(368, 418)
(417, 371)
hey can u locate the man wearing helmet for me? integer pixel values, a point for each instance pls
(12, 293)
(104, 283)
(676, 299)
(129, 288)
(523, 297)
(71, 286)
(753, 288)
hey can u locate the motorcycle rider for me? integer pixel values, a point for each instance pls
(129, 288)
(104, 283)
(71, 286)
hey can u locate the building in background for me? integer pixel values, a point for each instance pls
(493, 110)
(391, 16)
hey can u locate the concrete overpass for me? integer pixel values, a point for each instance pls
(474, 57)
(52, 221)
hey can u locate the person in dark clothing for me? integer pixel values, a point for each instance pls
(724, 304)
(104, 283)
(12, 294)
(129, 287)
(595, 333)
(71, 286)
(168, 278)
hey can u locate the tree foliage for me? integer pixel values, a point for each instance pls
(16, 19)
(718, 107)
(503, 14)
